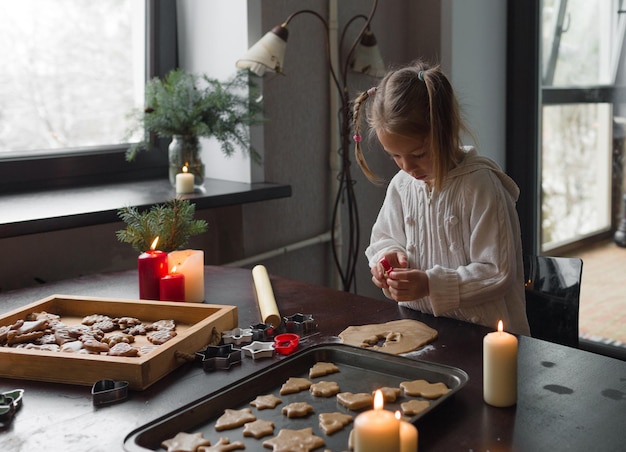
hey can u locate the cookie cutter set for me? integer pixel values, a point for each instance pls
(257, 342)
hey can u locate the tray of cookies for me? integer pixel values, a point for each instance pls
(311, 397)
(81, 340)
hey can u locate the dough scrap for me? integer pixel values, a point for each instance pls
(398, 336)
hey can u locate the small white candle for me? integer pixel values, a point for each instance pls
(376, 430)
(184, 181)
(408, 435)
(191, 264)
(500, 368)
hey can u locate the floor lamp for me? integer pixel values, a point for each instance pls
(363, 56)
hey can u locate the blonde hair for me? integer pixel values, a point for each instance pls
(413, 101)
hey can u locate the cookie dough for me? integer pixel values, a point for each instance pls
(396, 337)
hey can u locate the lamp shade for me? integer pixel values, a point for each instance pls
(267, 54)
(367, 58)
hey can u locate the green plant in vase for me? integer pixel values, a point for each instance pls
(173, 223)
(186, 107)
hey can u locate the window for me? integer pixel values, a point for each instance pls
(581, 50)
(77, 70)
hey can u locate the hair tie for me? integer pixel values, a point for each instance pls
(357, 138)
(372, 91)
(420, 75)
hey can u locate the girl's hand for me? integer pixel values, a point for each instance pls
(407, 284)
(381, 272)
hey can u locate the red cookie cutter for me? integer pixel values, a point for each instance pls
(286, 343)
(387, 268)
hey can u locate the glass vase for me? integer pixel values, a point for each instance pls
(184, 150)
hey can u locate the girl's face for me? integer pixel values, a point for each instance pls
(412, 155)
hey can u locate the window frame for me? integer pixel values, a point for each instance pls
(105, 164)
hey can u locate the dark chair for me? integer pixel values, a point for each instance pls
(553, 297)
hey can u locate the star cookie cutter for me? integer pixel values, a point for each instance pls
(237, 336)
(220, 357)
(262, 331)
(286, 343)
(258, 349)
(300, 323)
(105, 392)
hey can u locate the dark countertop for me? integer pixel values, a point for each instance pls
(569, 399)
(49, 210)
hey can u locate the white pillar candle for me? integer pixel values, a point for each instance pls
(376, 430)
(500, 368)
(408, 435)
(184, 181)
(191, 264)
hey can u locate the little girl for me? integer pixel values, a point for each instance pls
(448, 224)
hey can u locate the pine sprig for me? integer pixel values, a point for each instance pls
(172, 222)
(197, 105)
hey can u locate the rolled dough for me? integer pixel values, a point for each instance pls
(398, 336)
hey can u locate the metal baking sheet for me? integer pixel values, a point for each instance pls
(361, 370)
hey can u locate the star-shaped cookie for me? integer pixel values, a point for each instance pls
(294, 441)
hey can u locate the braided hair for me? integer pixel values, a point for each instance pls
(414, 101)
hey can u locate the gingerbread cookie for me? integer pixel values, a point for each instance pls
(324, 389)
(355, 401)
(163, 325)
(333, 422)
(321, 368)
(297, 409)
(424, 389)
(160, 337)
(390, 394)
(94, 346)
(234, 418)
(123, 349)
(258, 429)
(398, 336)
(295, 384)
(185, 442)
(294, 441)
(263, 402)
(223, 445)
(413, 407)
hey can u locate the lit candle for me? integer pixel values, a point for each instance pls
(191, 264)
(184, 181)
(408, 435)
(376, 430)
(173, 286)
(500, 368)
(152, 266)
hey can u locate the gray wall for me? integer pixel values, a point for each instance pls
(296, 141)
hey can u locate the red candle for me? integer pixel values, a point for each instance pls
(152, 266)
(173, 286)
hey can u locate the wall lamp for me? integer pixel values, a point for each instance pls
(364, 57)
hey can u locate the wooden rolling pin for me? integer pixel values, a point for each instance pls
(265, 296)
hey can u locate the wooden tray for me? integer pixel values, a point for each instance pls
(194, 325)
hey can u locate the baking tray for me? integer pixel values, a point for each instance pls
(194, 324)
(361, 370)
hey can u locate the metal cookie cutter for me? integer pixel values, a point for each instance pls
(107, 391)
(10, 402)
(237, 336)
(286, 343)
(262, 331)
(219, 357)
(258, 349)
(300, 324)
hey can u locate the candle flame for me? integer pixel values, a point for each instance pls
(378, 400)
(398, 415)
(173, 269)
(154, 243)
(185, 169)
(500, 326)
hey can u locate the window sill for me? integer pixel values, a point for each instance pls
(52, 210)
